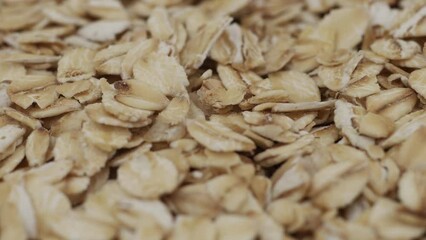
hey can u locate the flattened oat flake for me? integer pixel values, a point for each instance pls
(213, 119)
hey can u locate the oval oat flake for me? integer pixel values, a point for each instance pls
(299, 86)
(148, 176)
(103, 30)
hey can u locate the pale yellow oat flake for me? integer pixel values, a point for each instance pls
(212, 119)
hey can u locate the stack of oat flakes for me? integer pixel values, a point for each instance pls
(214, 119)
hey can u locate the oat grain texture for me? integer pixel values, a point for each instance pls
(213, 119)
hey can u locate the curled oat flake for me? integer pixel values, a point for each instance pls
(343, 117)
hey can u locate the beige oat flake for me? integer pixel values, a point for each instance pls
(103, 30)
(395, 49)
(153, 174)
(217, 137)
(37, 146)
(76, 65)
(198, 46)
(213, 119)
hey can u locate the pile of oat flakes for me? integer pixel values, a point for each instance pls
(212, 120)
